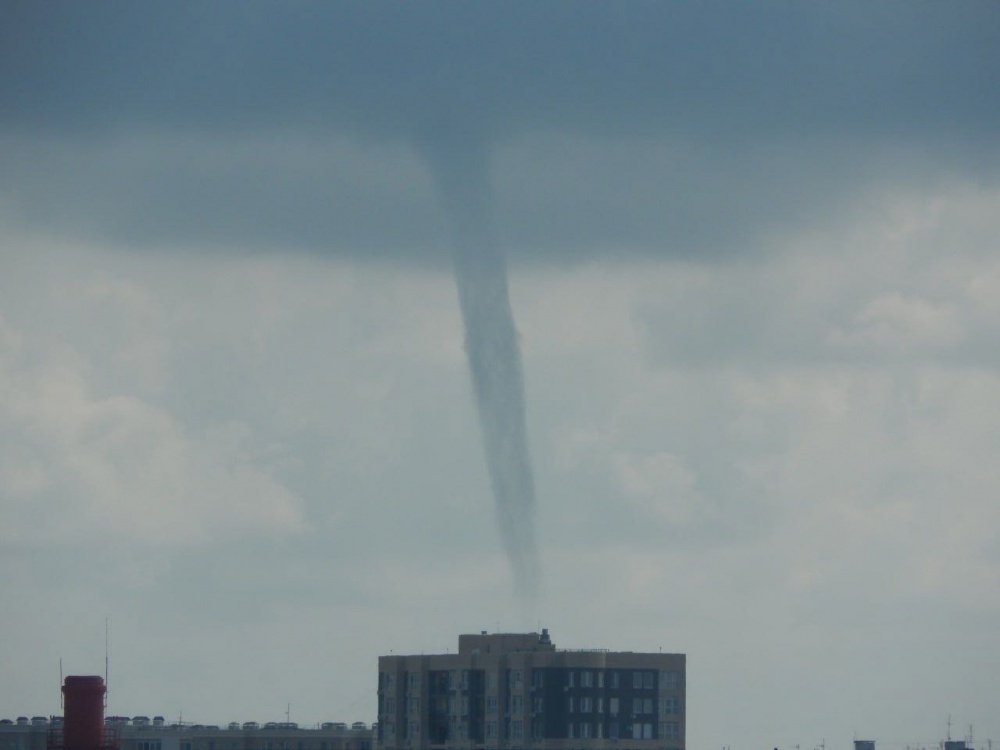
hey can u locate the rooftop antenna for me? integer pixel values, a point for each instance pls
(288, 713)
(107, 659)
(949, 727)
(62, 698)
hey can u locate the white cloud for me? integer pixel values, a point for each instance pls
(664, 488)
(80, 466)
(899, 324)
(714, 476)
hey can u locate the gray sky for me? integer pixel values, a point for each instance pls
(755, 276)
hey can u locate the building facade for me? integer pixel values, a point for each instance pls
(508, 691)
(143, 733)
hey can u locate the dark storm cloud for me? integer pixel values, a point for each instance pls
(750, 112)
(384, 67)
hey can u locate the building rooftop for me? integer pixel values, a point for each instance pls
(504, 643)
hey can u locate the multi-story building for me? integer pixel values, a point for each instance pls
(516, 690)
(143, 733)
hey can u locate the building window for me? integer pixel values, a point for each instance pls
(600, 704)
(647, 680)
(669, 680)
(600, 678)
(585, 731)
(586, 704)
(515, 678)
(599, 734)
(586, 679)
(637, 680)
(536, 730)
(491, 680)
(465, 705)
(572, 705)
(390, 679)
(390, 705)
(537, 676)
(613, 730)
(413, 680)
(413, 730)
(414, 705)
(571, 678)
(516, 705)
(517, 730)
(615, 681)
(536, 705)
(670, 730)
(670, 705)
(491, 730)
(613, 706)
(491, 704)
(571, 730)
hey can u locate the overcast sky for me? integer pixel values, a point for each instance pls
(754, 271)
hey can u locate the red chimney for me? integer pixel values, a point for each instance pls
(83, 714)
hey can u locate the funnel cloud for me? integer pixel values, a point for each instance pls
(463, 181)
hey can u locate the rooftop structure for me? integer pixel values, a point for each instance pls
(145, 733)
(84, 727)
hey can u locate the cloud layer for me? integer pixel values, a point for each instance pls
(251, 125)
(815, 494)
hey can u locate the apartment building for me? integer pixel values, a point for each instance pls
(514, 691)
